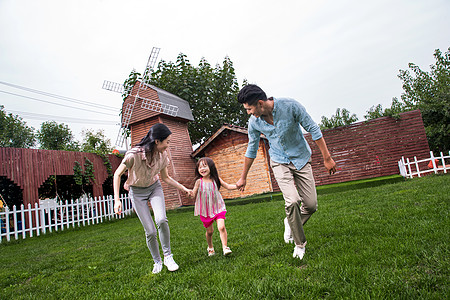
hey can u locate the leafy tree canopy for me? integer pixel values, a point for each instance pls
(211, 92)
(429, 92)
(341, 118)
(377, 111)
(54, 136)
(96, 142)
(14, 132)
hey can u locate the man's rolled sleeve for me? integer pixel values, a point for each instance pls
(307, 122)
(316, 133)
(253, 142)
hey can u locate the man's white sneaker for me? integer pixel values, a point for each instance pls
(157, 267)
(226, 251)
(299, 252)
(287, 232)
(170, 263)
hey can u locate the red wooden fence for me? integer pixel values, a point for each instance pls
(29, 168)
(370, 148)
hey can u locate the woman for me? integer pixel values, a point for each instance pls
(144, 162)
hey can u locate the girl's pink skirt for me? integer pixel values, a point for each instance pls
(208, 221)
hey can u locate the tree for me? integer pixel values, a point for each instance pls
(14, 132)
(96, 142)
(211, 93)
(430, 92)
(341, 118)
(396, 108)
(54, 136)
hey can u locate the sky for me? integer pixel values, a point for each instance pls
(326, 54)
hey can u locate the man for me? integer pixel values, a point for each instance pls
(280, 120)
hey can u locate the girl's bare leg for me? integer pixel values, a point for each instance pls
(209, 233)
(222, 231)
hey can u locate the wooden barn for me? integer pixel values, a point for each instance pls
(361, 150)
(182, 167)
(227, 148)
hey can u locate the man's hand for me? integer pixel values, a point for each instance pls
(330, 165)
(241, 184)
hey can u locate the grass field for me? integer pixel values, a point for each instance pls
(388, 241)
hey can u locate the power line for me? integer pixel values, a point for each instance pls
(87, 103)
(36, 116)
(46, 101)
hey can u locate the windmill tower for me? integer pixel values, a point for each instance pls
(146, 105)
(149, 104)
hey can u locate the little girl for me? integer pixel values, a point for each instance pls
(209, 204)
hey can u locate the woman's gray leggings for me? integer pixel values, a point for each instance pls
(140, 198)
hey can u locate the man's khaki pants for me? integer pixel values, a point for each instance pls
(300, 197)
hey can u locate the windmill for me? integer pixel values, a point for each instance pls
(149, 104)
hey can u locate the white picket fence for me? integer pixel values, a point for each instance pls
(50, 215)
(417, 168)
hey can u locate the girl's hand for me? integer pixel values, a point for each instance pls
(191, 194)
(118, 207)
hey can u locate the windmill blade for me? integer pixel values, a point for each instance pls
(150, 64)
(126, 117)
(113, 86)
(165, 108)
(153, 105)
(121, 136)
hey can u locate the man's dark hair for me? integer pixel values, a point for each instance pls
(250, 94)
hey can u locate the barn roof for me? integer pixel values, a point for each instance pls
(224, 127)
(184, 110)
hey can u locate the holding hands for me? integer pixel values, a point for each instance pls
(241, 184)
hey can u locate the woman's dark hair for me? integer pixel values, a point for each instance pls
(160, 132)
(212, 170)
(250, 94)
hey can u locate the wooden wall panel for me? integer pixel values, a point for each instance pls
(29, 168)
(371, 148)
(227, 151)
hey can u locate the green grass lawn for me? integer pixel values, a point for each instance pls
(388, 241)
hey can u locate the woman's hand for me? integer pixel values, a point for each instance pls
(118, 207)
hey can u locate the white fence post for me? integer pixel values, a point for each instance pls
(16, 232)
(433, 163)
(443, 162)
(36, 213)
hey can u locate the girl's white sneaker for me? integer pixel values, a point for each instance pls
(211, 251)
(226, 251)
